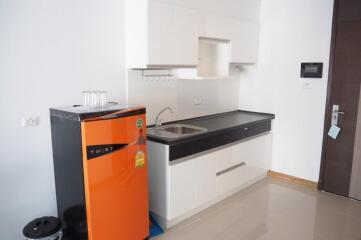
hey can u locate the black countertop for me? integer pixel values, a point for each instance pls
(215, 124)
(223, 129)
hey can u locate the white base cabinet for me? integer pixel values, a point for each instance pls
(181, 189)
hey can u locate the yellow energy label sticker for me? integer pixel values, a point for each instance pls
(139, 159)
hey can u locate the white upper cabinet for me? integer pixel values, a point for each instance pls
(173, 33)
(244, 41)
(187, 27)
(166, 32)
(161, 20)
(243, 36)
(166, 36)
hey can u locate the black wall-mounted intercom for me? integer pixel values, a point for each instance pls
(311, 70)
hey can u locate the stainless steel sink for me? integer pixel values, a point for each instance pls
(183, 130)
(176, 130)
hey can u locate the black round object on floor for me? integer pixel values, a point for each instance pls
(42, 228)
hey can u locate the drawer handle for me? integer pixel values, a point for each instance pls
(230, 169)
(246, 128)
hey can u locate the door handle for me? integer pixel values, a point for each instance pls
(335, 112)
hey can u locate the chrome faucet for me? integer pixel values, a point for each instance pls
(158, 121)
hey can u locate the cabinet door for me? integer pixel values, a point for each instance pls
(244, 41)
(161, 23)
(205, 169)
(185, 36)
(257, 152)
(173, 34)
(227, 158)
(182, 188)
(214, 26)
(243, 36)
(193, 183)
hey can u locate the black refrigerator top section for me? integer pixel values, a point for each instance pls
(80, 113)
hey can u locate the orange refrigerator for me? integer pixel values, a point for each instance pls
(100, 165)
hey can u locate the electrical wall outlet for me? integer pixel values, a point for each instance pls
(307, 86)
(197, 101)
(32, 121)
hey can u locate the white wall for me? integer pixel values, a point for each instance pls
(217, 95)
(52, 50)
(291, 32)
(49, 52)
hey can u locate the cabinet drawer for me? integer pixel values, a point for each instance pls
(231, 178)
(252, 151)
(238, 177)
(228, 157)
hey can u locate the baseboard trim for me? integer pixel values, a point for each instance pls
(293, 180)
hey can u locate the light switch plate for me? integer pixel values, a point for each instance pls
(307, 86)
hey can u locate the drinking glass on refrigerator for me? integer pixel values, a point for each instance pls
(87, 98)
(103, 98)
(95, 98)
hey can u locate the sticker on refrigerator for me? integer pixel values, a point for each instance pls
(139, 123)
(139, 159)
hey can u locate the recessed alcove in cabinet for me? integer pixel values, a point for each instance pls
(213, 57)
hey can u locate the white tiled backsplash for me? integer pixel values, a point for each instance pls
(187, 97)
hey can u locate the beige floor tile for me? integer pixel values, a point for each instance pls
(274, 210)
(195, 231)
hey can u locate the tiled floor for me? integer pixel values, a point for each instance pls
(274, 210)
